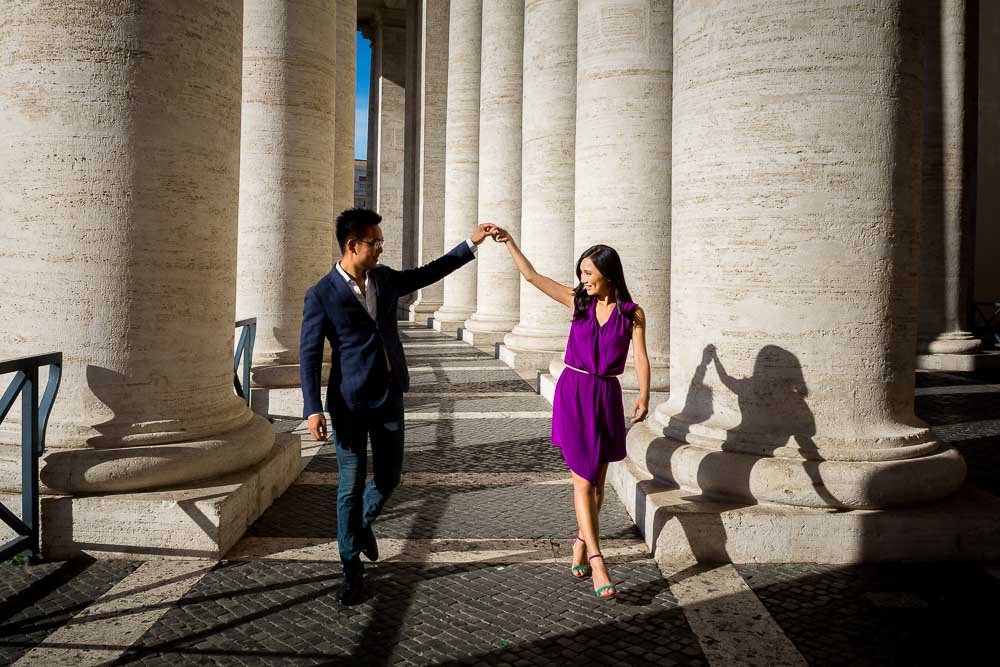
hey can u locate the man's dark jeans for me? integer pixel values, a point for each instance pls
(358, 505)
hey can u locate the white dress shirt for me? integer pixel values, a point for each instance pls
(369, 299)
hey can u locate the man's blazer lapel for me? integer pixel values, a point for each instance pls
(345, 296)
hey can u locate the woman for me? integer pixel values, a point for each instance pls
(588, 420)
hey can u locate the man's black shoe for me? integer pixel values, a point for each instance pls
(353, 590)
(370, 550)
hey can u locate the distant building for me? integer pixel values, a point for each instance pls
(361, 183)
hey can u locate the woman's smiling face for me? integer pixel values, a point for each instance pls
(593, 281)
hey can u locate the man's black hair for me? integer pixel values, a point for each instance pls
(353, 223)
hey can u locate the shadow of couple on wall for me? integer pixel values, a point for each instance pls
(774, 414)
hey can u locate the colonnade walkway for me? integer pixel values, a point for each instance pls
(475, 548)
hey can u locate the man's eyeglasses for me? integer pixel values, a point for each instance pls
(377, 244)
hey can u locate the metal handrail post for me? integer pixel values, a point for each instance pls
(244, 352)
(29, 457)
(34, 421)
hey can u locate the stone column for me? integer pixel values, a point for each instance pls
(548, 137)
(461, 162)
(119, 217)
(948, 202)
(287, 178)
(343, 146)
(987, 278)
(497, 283)
(433, 92)
(386, 143)
(623, 155)
(795, 213)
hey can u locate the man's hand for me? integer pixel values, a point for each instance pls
(482, 231)
(317, 426)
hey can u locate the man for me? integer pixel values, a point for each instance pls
(354, 307)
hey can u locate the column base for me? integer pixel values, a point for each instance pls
(202, 520)
(486, 340)
(979, 361)
(286, 375)
(450, 320)
(750, 478)
(422, 311)
(449, 327)
(681, 527)
(953, 342)
(527, 359)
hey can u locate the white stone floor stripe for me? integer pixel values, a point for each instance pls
(968, 430)
(467, 395)
(958, 389)
(732, 625)
(453, 479)
(429, 369)
(444, 550)
(435, 344)
(435, 416)
(107, 628)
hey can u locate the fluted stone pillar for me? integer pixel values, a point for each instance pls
(461, 162)
(387, 126)
(623, 155)
(430, 159)
(343, 145)
(119, 215)
(497, 282)
(547, 177)
(287, 178)
(949, 187)
(794, 257)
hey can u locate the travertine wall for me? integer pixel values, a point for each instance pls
(119, 218)
(461, 166)
(497, 284)
(287, 178)
(623, 154)
(793, 304)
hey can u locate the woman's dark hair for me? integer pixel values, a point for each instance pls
(353, 223)
(607, 261)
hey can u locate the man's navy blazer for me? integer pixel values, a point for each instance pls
(358, 372)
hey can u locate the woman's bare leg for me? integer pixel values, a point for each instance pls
(585, 502)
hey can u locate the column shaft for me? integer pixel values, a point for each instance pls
(623, 154)
(794, 256)
(497, 288)
(388, 74)
(431, 149)
(949, 163)
(287, 178)
(343, 178)
(119, 220)
(461, 162)
(548, 172)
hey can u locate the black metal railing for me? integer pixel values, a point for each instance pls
(986, 322)
(244, 355)
(34, 420)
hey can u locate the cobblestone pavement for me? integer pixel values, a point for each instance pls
(475, 546)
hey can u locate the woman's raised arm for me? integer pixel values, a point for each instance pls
(561, 293)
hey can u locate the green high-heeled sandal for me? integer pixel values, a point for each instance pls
(600, 590)
(584, 570)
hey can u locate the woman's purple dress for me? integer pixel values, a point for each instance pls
(588, 418)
